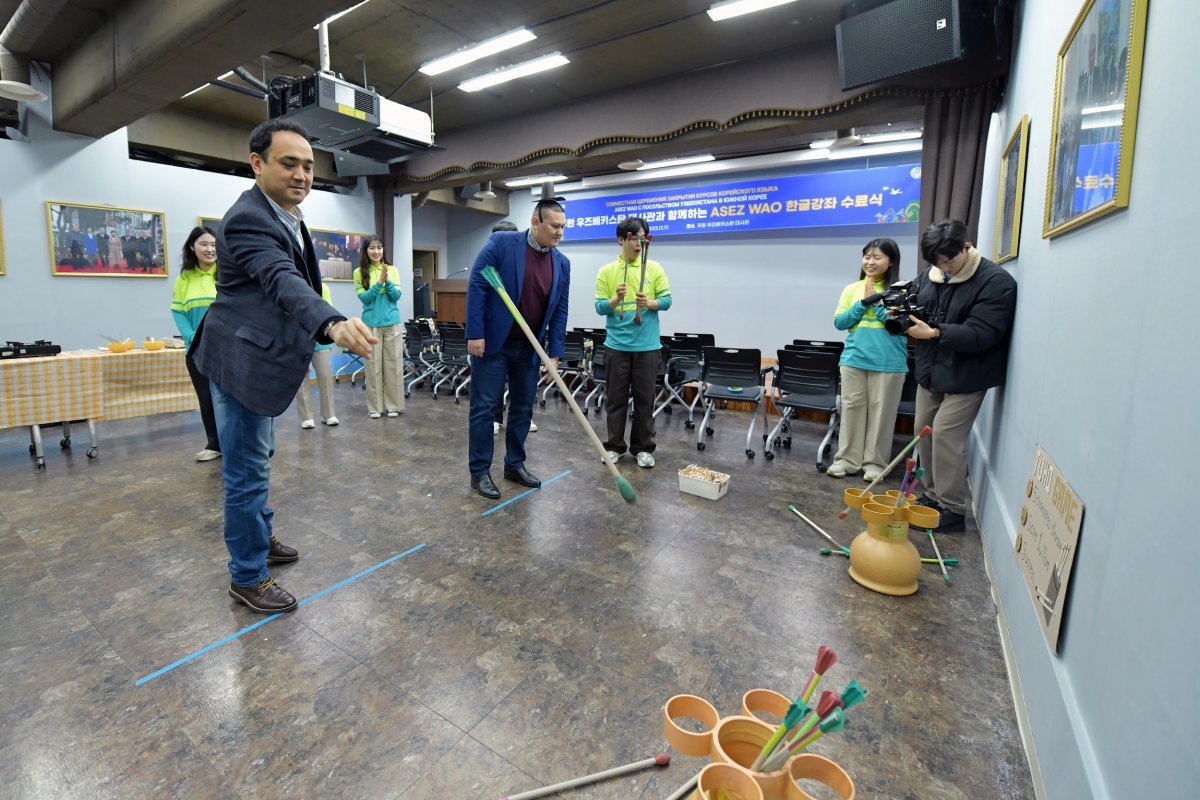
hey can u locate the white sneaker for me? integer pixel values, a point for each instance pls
(645, 460)
(331, 421)
(613, 456)
(307, 424)
(393, 413)
(495, 428)
(872, 473)
(836, 471)
(533, 427)
(208, 455)
(374, 415)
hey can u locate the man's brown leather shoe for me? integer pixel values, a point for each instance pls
(267, 597)
(280, 553)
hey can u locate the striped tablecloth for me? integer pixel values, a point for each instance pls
(91, 384)
(50, 389)
(143, 382)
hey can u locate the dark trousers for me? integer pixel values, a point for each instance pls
(630, 374)
(517, 364)
(204, 395)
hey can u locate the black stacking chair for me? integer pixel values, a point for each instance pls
(805, 380)
(687, 356)
(418, 349)
(454, 361)
(355, 365)
(599, 379)
(573, 365)
(730, 374)
(814, 346)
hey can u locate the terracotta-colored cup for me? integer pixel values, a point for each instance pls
(922, 517)
(771, 707)
(855, 497)
(810, 766)
(688, 706)
(727, 782)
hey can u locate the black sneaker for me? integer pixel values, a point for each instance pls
(949, 522)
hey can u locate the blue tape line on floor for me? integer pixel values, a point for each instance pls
(546, 483)
(262, 622)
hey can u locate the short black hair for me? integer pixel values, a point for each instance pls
(504, 225)
(543, 206)
(260, 137)
(890, 249)
(631, 225)
(946, 238)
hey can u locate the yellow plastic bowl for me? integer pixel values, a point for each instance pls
(154, 344)
(120, 347)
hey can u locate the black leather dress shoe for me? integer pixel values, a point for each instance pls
(267, 597)
(522, 476)
(280, 553)
(485, 486)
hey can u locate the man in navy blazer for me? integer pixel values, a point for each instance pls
(538, 279)
(255, 343)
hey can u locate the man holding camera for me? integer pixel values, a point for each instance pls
(961, 342)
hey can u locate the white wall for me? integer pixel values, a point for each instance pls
(760, 289)
(74, 310)
(1104, 376)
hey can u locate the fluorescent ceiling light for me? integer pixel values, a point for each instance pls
(535, 180)
(871, 138)
(735, 8)
(488, 47)
(340, 14)
(899, 136)
(542, 64)
(205, 86)
(874, 150)
(678, 162)
(1102, 109)
(1100, 122)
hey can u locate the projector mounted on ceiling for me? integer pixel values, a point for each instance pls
(343, 117)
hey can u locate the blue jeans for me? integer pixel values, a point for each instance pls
(247, 444)
(516, 364)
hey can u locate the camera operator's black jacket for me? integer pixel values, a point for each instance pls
(975, 318)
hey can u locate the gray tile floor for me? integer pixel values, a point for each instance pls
(528, 646)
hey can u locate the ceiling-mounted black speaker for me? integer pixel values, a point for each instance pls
(905, 36)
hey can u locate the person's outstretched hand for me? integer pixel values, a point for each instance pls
(353, 335)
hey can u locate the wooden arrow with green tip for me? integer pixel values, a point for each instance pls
(493, 277)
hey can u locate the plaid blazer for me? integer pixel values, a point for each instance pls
(257, 338)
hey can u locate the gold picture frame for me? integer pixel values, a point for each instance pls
(81, 241)
(337, 253)
(1096, 89)
(1011, 194)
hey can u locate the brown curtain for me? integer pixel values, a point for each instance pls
(385, 213)
(952, 157)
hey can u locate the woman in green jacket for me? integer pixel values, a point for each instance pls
(375, 283)
(195, 290)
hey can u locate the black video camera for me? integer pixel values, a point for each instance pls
(900, 299)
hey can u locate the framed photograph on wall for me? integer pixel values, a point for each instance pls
(1012, 190)
(106, 241)
(209, 222)
(337, 253)
(1096, 91)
